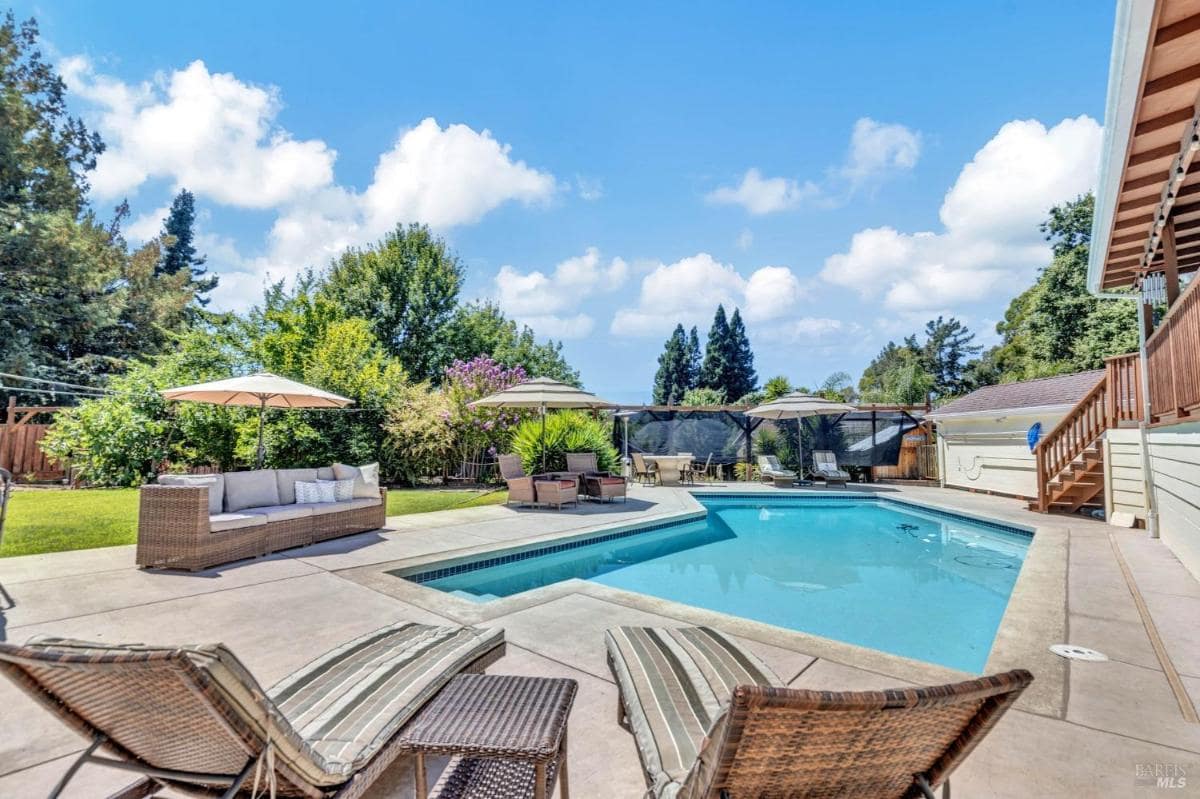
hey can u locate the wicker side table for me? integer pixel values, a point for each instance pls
(507, 737)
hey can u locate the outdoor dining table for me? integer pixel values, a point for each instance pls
(670, 467)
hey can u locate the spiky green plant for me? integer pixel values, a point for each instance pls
(566, 431)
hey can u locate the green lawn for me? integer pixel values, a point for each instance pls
(57, 521)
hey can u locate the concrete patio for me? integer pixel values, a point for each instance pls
(1090, 729)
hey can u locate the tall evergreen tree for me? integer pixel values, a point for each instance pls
(717, 354)
(742, 378)
(179, 252)
(947, 348)
(671, 379)
(693, 358)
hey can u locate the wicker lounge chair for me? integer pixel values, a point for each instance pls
(825, 467)
(712, 720)
(193, 718)
(598, 485)
(770, 471)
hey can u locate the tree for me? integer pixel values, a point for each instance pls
(838, 387)
(406, 286)
(718, 358)
(778, 386)
(945, 353)
(179, 250)
(742, 377)
(1057, 326)
(693, 358)
(672, 379)
(478, 329)
(698, 397)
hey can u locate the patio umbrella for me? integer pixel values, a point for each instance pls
(262, 390)
(542, 393)
(798, 405)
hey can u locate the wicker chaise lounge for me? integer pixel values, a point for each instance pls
(825, 467)
(194, 719)
(769, 469)
(712, 720)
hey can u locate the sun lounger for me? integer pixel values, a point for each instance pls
(825, 467)
(193, 717)
(712, 720)
(770, 470)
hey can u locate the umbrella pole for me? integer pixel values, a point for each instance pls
(262, 409)
(543, 409)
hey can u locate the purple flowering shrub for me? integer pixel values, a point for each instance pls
(480, 433)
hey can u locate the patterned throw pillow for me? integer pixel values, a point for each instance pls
(318, 491)
(342, 489)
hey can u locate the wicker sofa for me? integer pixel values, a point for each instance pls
(197, 521)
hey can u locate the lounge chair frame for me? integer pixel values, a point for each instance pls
(188, 680)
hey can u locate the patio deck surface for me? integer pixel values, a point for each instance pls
(1085, 732)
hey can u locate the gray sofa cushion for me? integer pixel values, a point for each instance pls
(366, 478)
(215, 483)
(219, 522)
(282, 513)
(359, 502)
(287, 479)
(322, 508)
(255, 489)
(325, 473)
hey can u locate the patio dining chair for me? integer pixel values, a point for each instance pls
(712, 720)
(192, 718)
(647, 473)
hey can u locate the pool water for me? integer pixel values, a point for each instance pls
(874, 573)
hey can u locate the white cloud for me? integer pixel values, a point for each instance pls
(219, 137)
(207, 131)
(448, 176)
(760, 195)
(589, 188)
(745, 239)
(990, 217)
(814, 328)
(543, 301)
(689, 290)
(877, 151)
(147, 226)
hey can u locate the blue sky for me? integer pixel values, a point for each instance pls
(606, 171)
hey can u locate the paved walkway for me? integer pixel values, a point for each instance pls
(1088, 737)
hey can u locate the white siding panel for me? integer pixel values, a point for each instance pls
(1124, 481)
(1175, 458)
(991, 454)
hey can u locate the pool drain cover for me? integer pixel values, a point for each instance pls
(1072, 652)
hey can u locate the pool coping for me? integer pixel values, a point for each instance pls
(1034, 618)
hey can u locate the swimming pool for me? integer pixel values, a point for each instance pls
(869, 571)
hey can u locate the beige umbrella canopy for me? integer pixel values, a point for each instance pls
(798, 405)
(261, 390)
(542, 393)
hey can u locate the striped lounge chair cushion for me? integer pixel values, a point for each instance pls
(675, 684)
(350, 702)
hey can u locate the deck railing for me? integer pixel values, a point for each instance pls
(1173, 359)
(1075, 433)
(1123, 375)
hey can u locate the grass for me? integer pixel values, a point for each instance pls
(59, 521)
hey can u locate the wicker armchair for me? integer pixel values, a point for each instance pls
(520, 485)
(598, 485)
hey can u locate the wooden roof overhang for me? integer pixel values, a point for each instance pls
(1149, 173)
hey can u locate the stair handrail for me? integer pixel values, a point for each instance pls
(1077, 431)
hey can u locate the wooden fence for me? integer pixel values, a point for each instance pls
(1173, 359)
(19, 437)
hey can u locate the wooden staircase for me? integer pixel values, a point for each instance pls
(1070, 458)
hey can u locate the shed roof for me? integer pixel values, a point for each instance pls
(1040, 393)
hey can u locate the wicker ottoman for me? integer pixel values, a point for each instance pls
(604, 487)
(556, 491)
